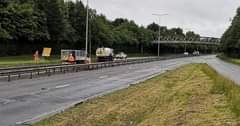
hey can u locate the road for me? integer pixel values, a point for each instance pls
(30, 100)
(230, 71)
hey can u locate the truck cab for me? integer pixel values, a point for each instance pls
(104, 54)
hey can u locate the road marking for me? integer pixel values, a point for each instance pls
(102, 77)
(62, 86)
(6, 101)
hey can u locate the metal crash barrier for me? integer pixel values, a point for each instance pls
(48, 70)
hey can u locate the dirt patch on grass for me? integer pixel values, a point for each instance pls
(177, 98)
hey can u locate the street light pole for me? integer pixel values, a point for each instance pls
(86, 48)
(159, 36)
(159, 30)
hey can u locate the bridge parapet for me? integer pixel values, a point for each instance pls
(201, 39)
(184, 40)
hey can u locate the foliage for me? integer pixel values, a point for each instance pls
(229, 59)
(230, 41)
(28, 25)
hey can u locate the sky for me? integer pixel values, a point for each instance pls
(205, 17)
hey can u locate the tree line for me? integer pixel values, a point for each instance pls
(28, 25)
(230, 41)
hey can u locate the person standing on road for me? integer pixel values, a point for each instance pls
(87, 60)
(36, 57)
(71, 59)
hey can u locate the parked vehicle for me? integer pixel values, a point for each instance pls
(104, 54)
(73, 56)
(196, 53)
(121, 56)
(186, 53)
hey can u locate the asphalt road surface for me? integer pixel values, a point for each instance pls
(30, 100)
(230, 71)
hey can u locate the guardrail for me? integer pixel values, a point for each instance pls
(31, 66)
(52, 69)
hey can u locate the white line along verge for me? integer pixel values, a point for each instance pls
(62, 86)
(102, 77)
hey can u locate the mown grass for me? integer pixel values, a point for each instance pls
(193, 95)
(225, 87)
(26, 60)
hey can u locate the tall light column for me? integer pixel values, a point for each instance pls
(159, 32)
(86, 48)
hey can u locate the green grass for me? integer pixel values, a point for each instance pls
(193, 95)
(225, 87)
(26, 60)
(229, 59)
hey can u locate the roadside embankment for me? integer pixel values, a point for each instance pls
(191, 95)
(229, 59)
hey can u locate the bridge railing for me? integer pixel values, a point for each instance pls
(204, 40)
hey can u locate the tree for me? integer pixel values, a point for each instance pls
(190, 35)
(26, 25)
(145, 36)
(40, 21)
(154, 27)
(55, 20)
(119, 21)
(102, 30)
(230, 41)
(4, 34)
(77, 20)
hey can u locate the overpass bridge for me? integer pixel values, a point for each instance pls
(198, 41)
(209, 41)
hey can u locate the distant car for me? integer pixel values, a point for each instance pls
(196, 53)
(121, 55)
(186, 53)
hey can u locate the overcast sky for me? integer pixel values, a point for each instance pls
(206, 17)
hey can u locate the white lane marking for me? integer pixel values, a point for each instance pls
(102, 77)
(6, 101)
(62, 86)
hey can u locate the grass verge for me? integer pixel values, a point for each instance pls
(225, 87)
(229, 59)
(26, 60)
(193, 95)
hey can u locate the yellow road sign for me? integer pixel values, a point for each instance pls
(46, 52)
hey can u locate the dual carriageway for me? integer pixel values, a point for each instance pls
(24, 100)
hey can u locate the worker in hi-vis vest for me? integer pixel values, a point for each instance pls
(36, 57)
(87, 60)
(71, 59)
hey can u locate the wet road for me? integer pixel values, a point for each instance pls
(30, 100)
(230, 71)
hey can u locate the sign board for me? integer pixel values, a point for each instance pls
(46, 52)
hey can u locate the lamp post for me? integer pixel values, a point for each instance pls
(86, 48)
(159, 30)
(186, 39)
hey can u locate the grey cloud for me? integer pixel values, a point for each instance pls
(206, 17)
